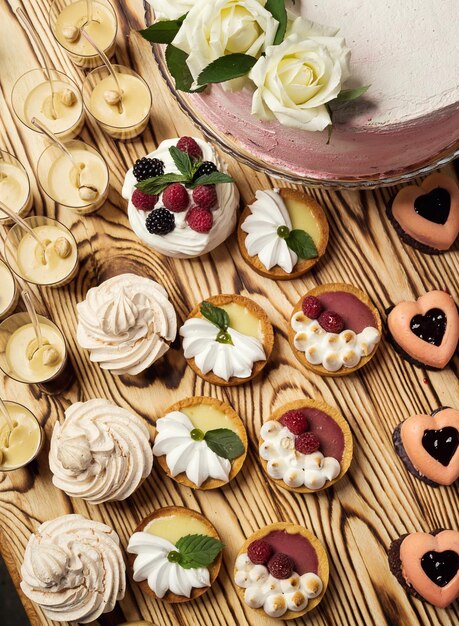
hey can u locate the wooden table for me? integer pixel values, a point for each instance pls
(357, 519)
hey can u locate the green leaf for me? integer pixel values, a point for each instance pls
(176, 63)
(351, 94)
(225, 443)
(156, 185)
(182, 162)
(215, 315)
(214, 178)
(302, 244)
(226, 68)
(163, 31)
(198, 550)
(279, 13)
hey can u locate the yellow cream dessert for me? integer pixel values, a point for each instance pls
(20, 445)
(14, 187)
(8, 292)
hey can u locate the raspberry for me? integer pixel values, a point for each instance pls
(189, 145)
(148, 168)
(307, 443)
(311, 307)
(175, 198)
(160, 222)
(144, 201)
(281, 566)
(206, 167)
(199, 219)
(331, 322)
(259, 552)
(296, 422)
(205, 196)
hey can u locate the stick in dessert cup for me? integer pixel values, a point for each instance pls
(23, 224)
(40, 344)
(10, 427)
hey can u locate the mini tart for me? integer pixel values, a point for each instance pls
(342, 425)
(333, 288)
(322, 569)
(236, 464)
(303, 265)
(214, 569)
(266, 330)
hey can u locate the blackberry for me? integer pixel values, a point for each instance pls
(148, 168)
(206, 167)
(160, 222)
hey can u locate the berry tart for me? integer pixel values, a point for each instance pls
(306, 446)
(425, 332)
(427, 217)
(282, 571)
(182, 202)
(177, 554)
(335, 329)
(427, 565)
(227, 339)
(429, 446)
(283, 233)
(201, 443)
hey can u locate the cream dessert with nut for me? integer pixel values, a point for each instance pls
(14, 186)
(21, 444)
(60, 109)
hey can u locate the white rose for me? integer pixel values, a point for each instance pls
(215, 28)
(170, 9)
(296, 79)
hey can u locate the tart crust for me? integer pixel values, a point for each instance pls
(266, 330)
(236, 464)
(322, 570)
(303, 265)
(345, 462)
(318, 291)
(214, 569)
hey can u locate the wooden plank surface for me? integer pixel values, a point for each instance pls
(377, 500)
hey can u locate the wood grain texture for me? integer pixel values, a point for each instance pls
(356, 519)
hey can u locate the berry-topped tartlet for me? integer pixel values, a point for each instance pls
(335, 329)
(283, 233)
(201, 443)
(282, 571)
(306, 446)
(182, 202)
(227, 339)
(178, 554)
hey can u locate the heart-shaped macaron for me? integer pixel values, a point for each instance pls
(430, 564)
(427, 331)
(429, 213)
(431, 443)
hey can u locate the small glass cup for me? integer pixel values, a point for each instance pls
(26, 443)
(24, 256)
(83, 189)
(15, 189)
(62, 113)
(66, 17)
(9, 292)
(16, 337)
(124, 119)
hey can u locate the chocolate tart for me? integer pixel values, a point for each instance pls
(355, 303)
(303, 265)
(310, 556)
(332, 431)
(236, 464)
(214, 569)
(267, 332)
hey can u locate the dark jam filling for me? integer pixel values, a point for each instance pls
(434, 206)
(297, 547)
(440, 567)
(441, 444)
(430, 327)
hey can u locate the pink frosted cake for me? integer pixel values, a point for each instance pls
(406, 51)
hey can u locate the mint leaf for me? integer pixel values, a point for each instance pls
(226, 68)
(351, 94)
(198, 550)
(163, 31)
(302, 244)
(156, 185)
(215, 315)
(182, 162)
(225, 443)
(212, 179)
(176, 63)
(279, 13)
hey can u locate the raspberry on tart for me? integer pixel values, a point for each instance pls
(259, 552)
(190, 146)
(175, 198)
(144, 201)
(205, 196)
(307, 443)
(199, 219)
(296, 421)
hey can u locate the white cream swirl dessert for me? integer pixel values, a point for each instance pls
(126, 323)
(74, 569)
(100, 453)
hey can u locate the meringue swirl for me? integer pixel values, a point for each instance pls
(126, 323)
(74, 569)
(100, 453)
